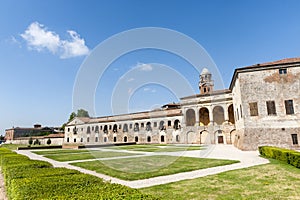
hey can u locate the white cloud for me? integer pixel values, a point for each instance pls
(144, 67)
(39, 38)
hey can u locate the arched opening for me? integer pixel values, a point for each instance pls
(204, 117)
(115, 139)
(231, 114)
(148, 126)
(68, 139)
(218, 114)
(177, 138)
(105, 129)
(115, 128)
(136, 127)
(162, 126)
(149, 139)
(88, 130)
(96, 139)
(136, 138)
(176, 124)
(105, 139)
(162, 138)
(125, 128)
(97, 129)
(125, 138)
(87, 139)
(190, 117)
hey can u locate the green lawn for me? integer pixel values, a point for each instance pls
(156, 148)
(150, 166)
(87, 155)
(270, 181)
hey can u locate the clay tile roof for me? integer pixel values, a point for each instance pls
(282, 61)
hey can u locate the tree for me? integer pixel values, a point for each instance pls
(82, 113)
(48, 141)
(30, 141)
(36, 142)
(72, 116)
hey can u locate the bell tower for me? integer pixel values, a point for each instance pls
(206, 85)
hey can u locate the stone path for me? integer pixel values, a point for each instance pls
(246, 158)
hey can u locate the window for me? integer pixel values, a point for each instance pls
(120, 126)
(295, 139)
(283, 71)
(177, 138)
(115, 139)
(162, 138)
(271, 107)
(241, 111)
(136, 127)
(68, 139)
(88, 130)
(289, 108)
(136, 139)
(92, 128)
(253, 109)
(155, 124)
(88, 139)
(81, 140)
(68, 129)
(109, 127)
(169, 123)
(105, 139)
(125, 139)
(96, 139)
(130, 126)
(148, 139)
(142, 125)
(75, 140)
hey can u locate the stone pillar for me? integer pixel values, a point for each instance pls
(197, 115)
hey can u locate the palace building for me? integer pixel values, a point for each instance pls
(261, 107)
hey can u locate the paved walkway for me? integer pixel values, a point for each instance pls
(246, 158)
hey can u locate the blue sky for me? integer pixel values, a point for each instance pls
(43, 44)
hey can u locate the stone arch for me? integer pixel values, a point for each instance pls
(220, 137)
(97, 129)
(148, 126)
(232, 135)
(162, 126)
(125, 128)
(218, 115)
(115, 128)
(204, 116)
(88, 130)
(205, 137)
(136, 127)
(231, 114)
(177, 124)
(192, 138)
(190, 117)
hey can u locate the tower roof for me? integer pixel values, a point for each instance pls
(205, 71)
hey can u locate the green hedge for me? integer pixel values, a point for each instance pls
(289, 156)
(32, 179)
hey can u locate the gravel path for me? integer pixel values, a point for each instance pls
(246, 158)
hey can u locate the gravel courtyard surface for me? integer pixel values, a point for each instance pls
(246, 158)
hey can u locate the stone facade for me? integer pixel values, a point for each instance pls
(261, 107)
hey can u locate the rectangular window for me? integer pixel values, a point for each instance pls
(142, 125)
(289, 108)
(253, 109)
(283, 71)
(271, 107)
(295, 139)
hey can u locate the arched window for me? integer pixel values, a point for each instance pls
(148, 126)
(105, 129)
(218, 114)
(204, 116)
(136, 127)
(88, 130)
(177, 138)
(105, 139)
(97, 129)
(68, 139)
(162, 138)
(125, 139)
(87, 139)
(115, 139)
(162, 126)
(115, 128)
(190, 117)
(149, 139)
(125, 128)
(231, 114)
(176, 124)
(136, 138)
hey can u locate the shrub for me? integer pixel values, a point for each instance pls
(48, 141)
(289, 156)
(33, 179)
(30, 141)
